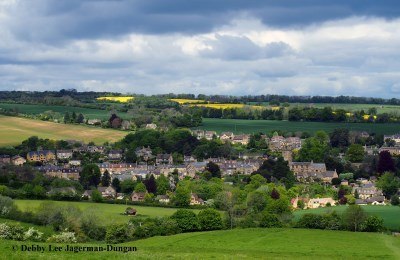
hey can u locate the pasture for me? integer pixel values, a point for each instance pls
(107, 213)
(254, 126)
(88, 113)
(389, 214)
(350, 107)
(13, 130)
(237, 244)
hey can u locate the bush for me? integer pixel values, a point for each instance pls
(269, 220)
(33, 235)
(186, 219)
(372, 224)
(394, 200)
(210, 219)
(117, 234)
(63, 237)
(11, 231)
(6, 206)
(96, 196)
(310, 220)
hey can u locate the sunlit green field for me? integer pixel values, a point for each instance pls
(108, 213)
(13, 130)
(236, 244)
(389, 214)
(38, 109)
(266, 126)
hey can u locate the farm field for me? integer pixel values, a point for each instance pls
(108, 213)
(13, 130)
(123, 99)
(225, 106)
(350, 107)
(89, 113)
(389, 214)
(239, 244)
(187, 101)
(253, 126)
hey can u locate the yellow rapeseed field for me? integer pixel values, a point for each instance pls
(118, 99)
(226, 106)
(187, 101)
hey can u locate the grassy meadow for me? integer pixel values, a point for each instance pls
(236, 244)
(389, 214)
(265, 126)
(107, 213)
(89, 113)
(13, 130)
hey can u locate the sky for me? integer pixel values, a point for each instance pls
(226, 47)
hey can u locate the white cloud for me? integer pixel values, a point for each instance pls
(353, 56)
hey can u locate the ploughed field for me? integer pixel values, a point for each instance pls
(233, 244)
(13, 130)
(239, 126)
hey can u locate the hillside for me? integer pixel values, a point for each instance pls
(13, 130)
(242, 244)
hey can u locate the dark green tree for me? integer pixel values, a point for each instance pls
(90, 176)
(106, 179)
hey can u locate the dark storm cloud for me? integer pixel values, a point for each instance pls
(54, 20)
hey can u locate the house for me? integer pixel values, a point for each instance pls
(18, 160)
(41, 156)
(209, 135)
(226, 136)
(189, 159)
(5, 159)
(320, 202)
(280, 143)
(329, 175)
(395, 138)
(163, 199)
(366, 191)
(64, 154)
(60, 172)
(151, 126)
(164, 159)
(74, 163)
(138, 196)
(107, 192)
(199, 134)
(377, 200)
(392, 150)
(241, 139)
(306, 171)
(95, 149)
(94, 122)
(144, 152)
(87, 194)
(115, 155)
(195, 200)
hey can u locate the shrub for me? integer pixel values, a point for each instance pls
(6, 205)
(269, 220)
(310, 220)
(33, 235)
(372, 224)
(117, 234)
(186, 219)
(63, 237)
(210, 219)
(394, 200)
(11, 231)
(96, 196)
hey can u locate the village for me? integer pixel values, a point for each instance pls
(65, 164)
